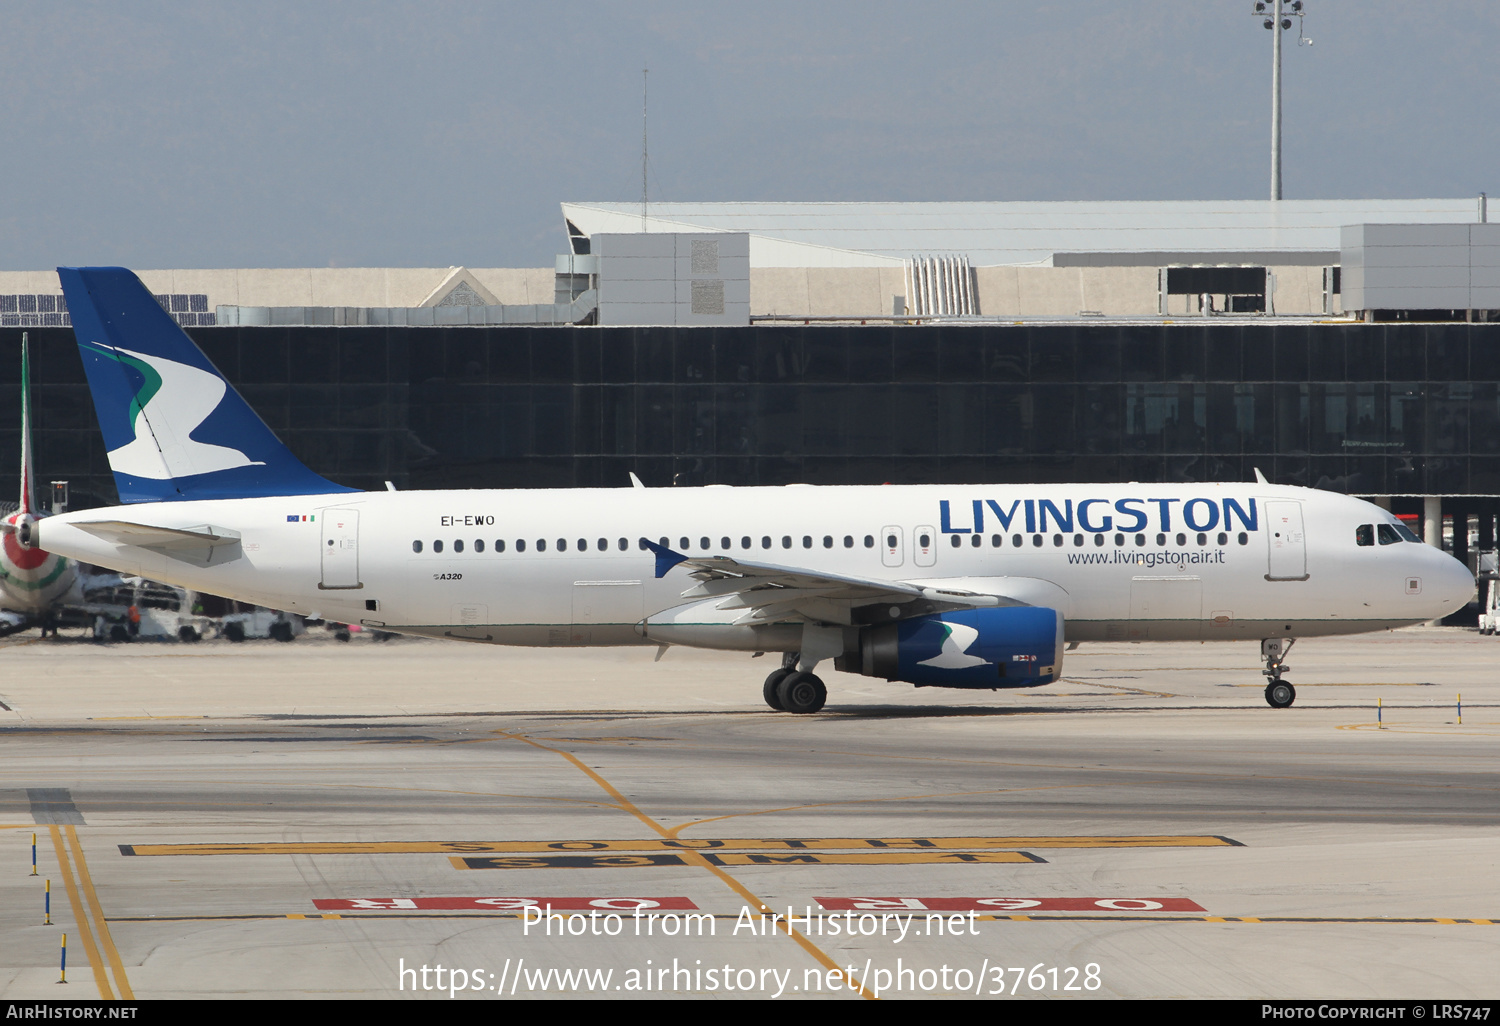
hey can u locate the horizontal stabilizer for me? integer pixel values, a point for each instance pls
(150, 537)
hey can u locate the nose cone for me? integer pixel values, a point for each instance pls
(1452, 583)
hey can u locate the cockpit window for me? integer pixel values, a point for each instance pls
(1406, 533)
(1388, 535)
(1364, 534)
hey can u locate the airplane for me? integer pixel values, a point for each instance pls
(963, 586)
(33, 582)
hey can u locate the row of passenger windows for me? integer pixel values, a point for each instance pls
(1059, 540)
(892, 542)
(623, 544)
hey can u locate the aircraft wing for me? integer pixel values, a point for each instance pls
(769, 592)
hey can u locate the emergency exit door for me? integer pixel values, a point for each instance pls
(340, 544)
(1287, 557)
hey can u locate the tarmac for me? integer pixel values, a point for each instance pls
(327, 820)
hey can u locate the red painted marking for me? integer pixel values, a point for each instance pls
(26, 559)
(1003, 906)
(622, 906)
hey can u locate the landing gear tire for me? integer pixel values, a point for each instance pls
(1280, 694)
(801, 693)
(234, 631)
(281, 631)
(772, 690)
(187, 633)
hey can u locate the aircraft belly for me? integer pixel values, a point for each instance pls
(530, 635)
(1237, 630)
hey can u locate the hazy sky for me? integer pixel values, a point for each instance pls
(305, 133)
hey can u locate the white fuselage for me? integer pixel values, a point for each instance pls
(565, 567)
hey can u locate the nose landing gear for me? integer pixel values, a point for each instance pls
(1279, 693)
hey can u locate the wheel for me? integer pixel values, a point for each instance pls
(342, 635)
(772, 691)
(119, 633)
(234, 631)
(802, 693)
(281, 631)
(187, 633)
(1280, 694)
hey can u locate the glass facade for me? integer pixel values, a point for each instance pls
(1403, 409)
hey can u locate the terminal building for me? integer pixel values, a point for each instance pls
(1352, 345)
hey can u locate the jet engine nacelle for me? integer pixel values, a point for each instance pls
(1005, 647)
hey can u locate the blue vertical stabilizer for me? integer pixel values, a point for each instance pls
(173, 426)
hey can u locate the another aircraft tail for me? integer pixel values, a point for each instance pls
(173, 426)
(28, 476)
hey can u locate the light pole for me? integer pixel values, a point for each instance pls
(1275, 15)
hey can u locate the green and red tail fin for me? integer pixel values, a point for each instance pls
(28, 474)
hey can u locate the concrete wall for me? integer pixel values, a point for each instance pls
(314, 286)
(780, 291)
(824, 291)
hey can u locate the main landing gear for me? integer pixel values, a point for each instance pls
(792, 690)
(1279, 693)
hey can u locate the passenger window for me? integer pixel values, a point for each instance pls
(665, 542)
(1223, 538)
(458, 546)
(1244, 538)
(869, 541)
(1161, 539)
(416, 546)
(478, 544)
(1077, 539)
(583, 544)
(437, 546)
(1140, 540)
(1388, 535)
(1036, 541)
(541, 544)
(807, 541)
(624, 545)
(745, 542)
(1181, 539)
(642, 544)
(890, 541)
(995, 541)
(1015, 541)
(786, 541)
(765, 541)
(703, 543)
(1364, 534)
(520, 544)
(499, 544)
(1057, 540)
(828, 541)
(1119, 539)
(977, 541)
(683, 546)
(957, 541)
(848, 541)
(724, 544)
(1202, 539)
(562, 545)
